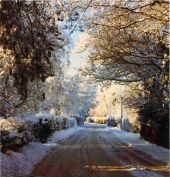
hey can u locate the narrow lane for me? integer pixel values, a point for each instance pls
(95, 152)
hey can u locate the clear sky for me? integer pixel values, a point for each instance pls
(76, 58)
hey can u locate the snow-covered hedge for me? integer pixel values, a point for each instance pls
(111, 121)
(90, 119)
(124, 124)
(46, 124)
(14, 133)
(17, 132)
(79, 119)
(128, 124)
(21, 163)
(99, 120)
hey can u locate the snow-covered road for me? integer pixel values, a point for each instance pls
(100, 151)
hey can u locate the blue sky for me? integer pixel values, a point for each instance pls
(76, 59)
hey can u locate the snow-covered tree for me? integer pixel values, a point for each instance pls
(31, 51)
(129, 42)
(79, 97)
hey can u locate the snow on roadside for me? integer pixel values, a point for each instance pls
(21, 164)
(134, 141)
(145, 174)
(61, 135)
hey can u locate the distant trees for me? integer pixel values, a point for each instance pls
(67, 96)
(78, 97)
(130, 45)
(107, 102)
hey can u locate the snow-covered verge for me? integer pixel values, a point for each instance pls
(134, 141)
(61, 135)
(21, 164)
(21, 151)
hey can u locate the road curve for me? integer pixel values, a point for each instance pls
(94, 152)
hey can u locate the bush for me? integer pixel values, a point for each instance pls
(16, 133)
(48, 125)
(111, 122)
(124, 124)
(90, 119)
(43, 130)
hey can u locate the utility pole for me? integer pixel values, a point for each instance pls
(121, 106)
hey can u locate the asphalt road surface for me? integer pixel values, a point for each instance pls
(95, 152)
